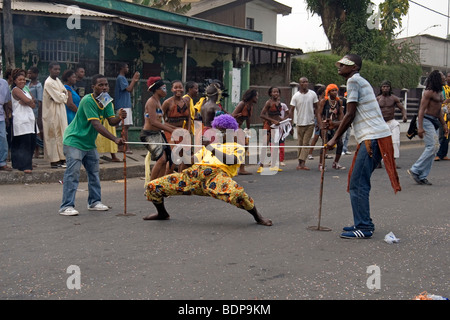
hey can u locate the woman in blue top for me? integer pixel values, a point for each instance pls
(69, 79)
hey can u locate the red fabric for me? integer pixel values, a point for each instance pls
(387, 152)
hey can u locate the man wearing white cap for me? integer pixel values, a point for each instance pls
(374, 143)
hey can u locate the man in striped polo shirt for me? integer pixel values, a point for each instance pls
(374, 143)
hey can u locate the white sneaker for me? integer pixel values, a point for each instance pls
(348, 153)
(310, 157)
(98, 207)
(282, 164)
(70, 211)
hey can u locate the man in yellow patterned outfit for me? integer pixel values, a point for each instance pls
(211, 175)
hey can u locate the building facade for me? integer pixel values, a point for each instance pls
(98, 35)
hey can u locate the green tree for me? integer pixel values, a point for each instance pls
(340, 18)
(349, 27)
(168, 5)
(392, 12)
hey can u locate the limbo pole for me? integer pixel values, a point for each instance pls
(322, 175)
(200, 146)
(125, 213)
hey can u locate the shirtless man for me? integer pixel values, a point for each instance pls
(152, 130)
(177, 113)
(427, 125)
(388, 102)
(210, 107)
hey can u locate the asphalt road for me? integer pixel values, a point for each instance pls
(210, 250)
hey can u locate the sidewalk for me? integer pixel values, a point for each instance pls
(42, 173)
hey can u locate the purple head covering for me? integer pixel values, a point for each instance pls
(225, 121)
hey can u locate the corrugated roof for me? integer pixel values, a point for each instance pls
(54, 8)
(206, 36)
(153, 15)
(57, 9)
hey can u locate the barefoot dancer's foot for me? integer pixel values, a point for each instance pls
(157, 216)
(264, 222)
(161, 215)
(259, 218)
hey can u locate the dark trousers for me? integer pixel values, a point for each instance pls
(443, 142)
(22, 150)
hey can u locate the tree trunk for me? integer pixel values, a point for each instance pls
(8, 35)
(332, 19)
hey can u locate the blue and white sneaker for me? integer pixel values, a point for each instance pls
(357, 234)
(351, 228)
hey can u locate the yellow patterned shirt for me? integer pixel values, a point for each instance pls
(446, 91)
(205, 157)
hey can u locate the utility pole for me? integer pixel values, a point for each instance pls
(8, 32)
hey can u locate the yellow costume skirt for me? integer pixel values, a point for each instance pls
(200, 180)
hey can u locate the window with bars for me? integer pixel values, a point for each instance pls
(59, 51)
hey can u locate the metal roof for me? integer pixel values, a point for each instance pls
(58, 9)
(206, 36)
(53, 8)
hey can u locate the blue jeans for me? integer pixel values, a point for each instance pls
(74, 158)
(345, 138)
(360, 185)
(3, 144)
(422, 167)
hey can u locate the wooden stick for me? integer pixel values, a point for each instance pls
(124, 175)
(322, 174)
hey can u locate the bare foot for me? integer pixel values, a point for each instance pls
(302, 168)
(259, 218)
(157, 216)
(264, 222)
(244, 173)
